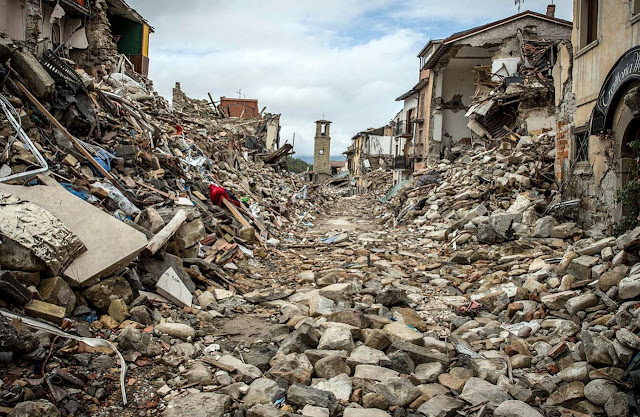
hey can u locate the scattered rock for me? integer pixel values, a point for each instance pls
(198, 404)
(263, 391)
(178, 330)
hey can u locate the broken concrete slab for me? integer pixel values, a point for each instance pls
(35, 76)
(111, 244)
(38, 230)
(171, 286)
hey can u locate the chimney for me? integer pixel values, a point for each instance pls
(551, 10)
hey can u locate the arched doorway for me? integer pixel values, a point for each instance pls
(628, 164)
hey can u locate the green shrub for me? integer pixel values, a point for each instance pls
(629, 197)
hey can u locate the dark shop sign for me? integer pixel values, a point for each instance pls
(625, 70)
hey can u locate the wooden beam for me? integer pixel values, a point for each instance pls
(165, 234)
(236, 213)
(160, 192)
(234, 210)
(57, 124)
(215, 108)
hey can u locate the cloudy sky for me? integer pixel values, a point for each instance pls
(344, 60)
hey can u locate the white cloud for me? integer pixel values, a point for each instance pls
(344, 60)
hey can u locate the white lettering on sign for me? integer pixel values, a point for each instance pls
(632, 67)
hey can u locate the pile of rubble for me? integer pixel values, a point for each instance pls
(522, 101)
(497, 184)
(154, 210)
(392, 322)
(545, 313)
(375, 183)
(167, 266)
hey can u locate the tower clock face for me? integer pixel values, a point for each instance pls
(321, 151)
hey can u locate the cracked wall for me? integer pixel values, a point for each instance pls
(102, 50)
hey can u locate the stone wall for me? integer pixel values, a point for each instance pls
(33, 16)
(102, 48)
(190, 106)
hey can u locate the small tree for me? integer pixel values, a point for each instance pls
(297, 166)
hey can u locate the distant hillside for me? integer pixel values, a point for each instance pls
(306, 158)
(297, 165)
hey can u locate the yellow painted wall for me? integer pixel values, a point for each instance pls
(357, 153)
(145, 40)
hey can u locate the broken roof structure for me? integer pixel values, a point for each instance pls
(478, 37)
(466, 68)
(122, 9)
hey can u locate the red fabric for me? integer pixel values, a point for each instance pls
(217, 194)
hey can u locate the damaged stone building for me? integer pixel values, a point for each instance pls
(601, 115)
(403, 132)
(91, 33)
(370, 150)
(492, 79)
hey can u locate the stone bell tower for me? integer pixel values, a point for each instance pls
(322, 151)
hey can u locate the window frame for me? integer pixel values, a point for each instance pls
(588, 24)
(580, 135)
(635, 12)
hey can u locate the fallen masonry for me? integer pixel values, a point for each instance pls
(230, 287)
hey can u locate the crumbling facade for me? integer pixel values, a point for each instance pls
(403, 135)
(424, 89)
(371, 149)
(594, 160)
(92, 33)
(490, 80)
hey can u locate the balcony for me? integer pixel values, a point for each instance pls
(404, 129)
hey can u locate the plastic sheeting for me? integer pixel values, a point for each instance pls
(393, 191)
(39, 231)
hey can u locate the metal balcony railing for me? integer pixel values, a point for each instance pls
(403, 128)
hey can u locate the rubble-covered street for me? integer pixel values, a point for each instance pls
(478, 256)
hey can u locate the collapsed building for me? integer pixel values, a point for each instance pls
(370, 150)
(530, 75)
(168, 233)
(94, 34)
(113, 202)
(491, 80)
(484, 85)
(268, 134)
